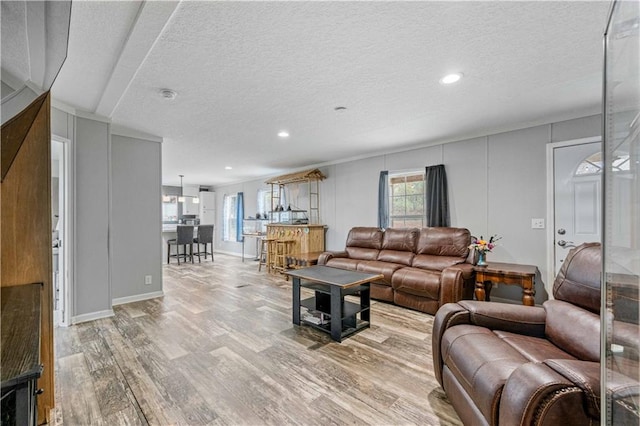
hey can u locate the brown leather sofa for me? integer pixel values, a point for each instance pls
(423, 268)
(504, 364)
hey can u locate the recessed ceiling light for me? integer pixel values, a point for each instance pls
(283, 134)
(451, 78)
(168, 94)
(228, 168)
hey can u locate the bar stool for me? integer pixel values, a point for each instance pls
(205, 236)
(263, 255)
(271, 254)
(185, 238)
(283, 249)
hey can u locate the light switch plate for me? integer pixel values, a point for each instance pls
(537, 223)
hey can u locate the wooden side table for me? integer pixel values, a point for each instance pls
(506, 273)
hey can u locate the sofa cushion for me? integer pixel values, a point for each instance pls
(400, 239)
(534, 349)
(418, 303)
(436, 263)
(444, 242)
(382, 292)
(343, 263)
(365, 237)
(481, 362)
(362, 253)
(394, 256)
(376, 267)
(573, 329)
(418, 282)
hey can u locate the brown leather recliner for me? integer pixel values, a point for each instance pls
(504, 364)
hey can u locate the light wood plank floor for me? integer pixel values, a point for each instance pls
(220, 348)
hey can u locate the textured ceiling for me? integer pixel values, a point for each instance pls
(15, 50)
(245, 70)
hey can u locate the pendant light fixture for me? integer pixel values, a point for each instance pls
(181, 197)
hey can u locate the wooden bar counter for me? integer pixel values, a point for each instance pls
(308, 238)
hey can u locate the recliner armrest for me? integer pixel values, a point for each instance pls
(585, 375)
(327, 255)
(537, 394)
(527, 320)
(447, 316)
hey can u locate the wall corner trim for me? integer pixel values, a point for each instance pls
(91, 316)
(137, 298)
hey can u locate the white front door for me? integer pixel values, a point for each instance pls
(577, 171)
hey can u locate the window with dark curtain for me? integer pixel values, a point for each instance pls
(437, 197)
(383, 200)
(406, 199)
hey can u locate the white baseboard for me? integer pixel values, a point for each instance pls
(231, 253)
(137, 298)
(91, 316)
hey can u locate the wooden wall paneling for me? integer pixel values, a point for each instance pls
(14, 131)
(25, 230)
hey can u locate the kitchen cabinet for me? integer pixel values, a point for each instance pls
(207, 208)
(207, 200)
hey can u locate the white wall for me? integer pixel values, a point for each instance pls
(497, 184)
(92, 291)
(117, 214)
(136, 217)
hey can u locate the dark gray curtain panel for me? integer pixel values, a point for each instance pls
(383, 200)
(437, 201)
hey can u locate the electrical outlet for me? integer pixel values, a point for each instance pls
(148, 279)
(537, 223)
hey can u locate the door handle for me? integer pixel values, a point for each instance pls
(565, 244)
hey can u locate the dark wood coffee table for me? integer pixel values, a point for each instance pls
(335, 315)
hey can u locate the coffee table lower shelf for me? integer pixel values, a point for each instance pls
(350, 322)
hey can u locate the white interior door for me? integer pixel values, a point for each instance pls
(577, 171)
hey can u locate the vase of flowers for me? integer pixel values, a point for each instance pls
(483, 246)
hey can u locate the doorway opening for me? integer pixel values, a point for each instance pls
(61, 224)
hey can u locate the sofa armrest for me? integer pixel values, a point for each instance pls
(527, 320)
(328, 255)
(451, 285)
(466, 269)
(536, 393)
